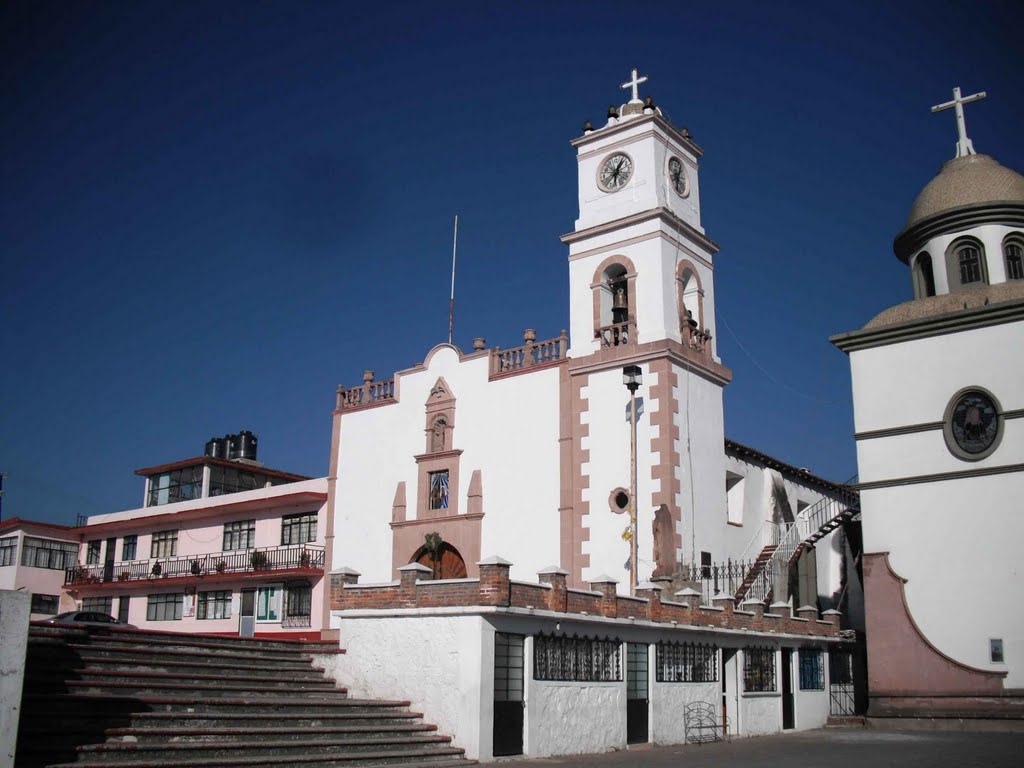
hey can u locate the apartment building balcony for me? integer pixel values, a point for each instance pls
(247, 565)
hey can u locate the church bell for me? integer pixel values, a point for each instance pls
(619, 301)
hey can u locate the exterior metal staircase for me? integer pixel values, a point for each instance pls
(136, 699)
(811, 525)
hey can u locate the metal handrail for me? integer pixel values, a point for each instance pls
(285, 557)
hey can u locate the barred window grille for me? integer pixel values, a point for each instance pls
(92, 552)
(970, 264)
(1014, 261)
(298, 599)
(687, 663)
(812, 670)
(759, 670)
(578, 659)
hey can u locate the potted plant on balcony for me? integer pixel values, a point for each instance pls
(259, 561)
(157, 569)
(304, 559)
(195, 568)
(220, 567)
(123, 576)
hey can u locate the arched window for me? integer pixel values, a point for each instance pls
(618, 306)
(965, 264)
(924, 277)
(1013, 252)
(438, 434)
(691, 295)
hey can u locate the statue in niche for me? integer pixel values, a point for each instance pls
(438, 434)
(664, 543)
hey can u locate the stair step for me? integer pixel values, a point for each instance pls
(196, 751)
(125, 663)
(102, 675)
(136, 688)
(196, 705)
(443, 757)
(198, 656)
(183, 734)
(186, 642)
(157, 637)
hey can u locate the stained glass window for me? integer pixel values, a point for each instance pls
(439, 490)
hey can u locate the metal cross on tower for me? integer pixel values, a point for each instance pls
(964, 146)
(633, 83)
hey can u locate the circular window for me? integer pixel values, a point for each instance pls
(972, 425)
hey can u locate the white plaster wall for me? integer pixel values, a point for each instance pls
(647, 145)
(701, 473)
(14, 618)
(392, 659)
(576, 718)
(913, 382)
(760, 713)
(608, 468)
(970, 524)
(508, 429)
(669, 700)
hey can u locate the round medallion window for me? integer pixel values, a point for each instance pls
(972, 425)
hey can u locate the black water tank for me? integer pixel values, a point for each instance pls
(243, 446)
(217, 448)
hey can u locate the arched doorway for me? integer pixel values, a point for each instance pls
(449, 564)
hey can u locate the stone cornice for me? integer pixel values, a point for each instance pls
(600, 133)
(950, 322)
(629, 354)
(664, 214)
(913, 238)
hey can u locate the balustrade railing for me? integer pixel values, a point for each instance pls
(697, 339)
(369, 392)
(530, 353)
(616, 334)
(244, 561)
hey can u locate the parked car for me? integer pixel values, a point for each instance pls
(89, 618)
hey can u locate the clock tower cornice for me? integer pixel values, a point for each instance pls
(674, 133)
(663, 214)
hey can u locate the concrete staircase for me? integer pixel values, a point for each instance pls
(138, 699)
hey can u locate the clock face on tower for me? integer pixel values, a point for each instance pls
(615, 172)
(677, 176)
(972, 424)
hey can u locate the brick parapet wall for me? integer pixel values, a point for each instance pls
(494, 588)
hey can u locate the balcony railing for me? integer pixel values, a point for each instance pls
(531, 353)
(259, 560)
(616, 334)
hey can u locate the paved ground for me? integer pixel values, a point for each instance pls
(840, 748)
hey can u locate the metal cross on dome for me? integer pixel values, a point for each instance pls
(633, 83)
(964, 146)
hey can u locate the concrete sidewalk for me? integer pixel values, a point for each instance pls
(838, 748)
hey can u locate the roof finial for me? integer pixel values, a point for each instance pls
(964, 146)
(633, 83)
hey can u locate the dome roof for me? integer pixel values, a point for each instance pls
(968, 180)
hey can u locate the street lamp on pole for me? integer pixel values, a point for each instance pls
(632, 377)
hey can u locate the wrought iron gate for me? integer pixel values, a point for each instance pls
(842, 701)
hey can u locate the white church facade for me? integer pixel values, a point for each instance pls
(938, 395)
(480, 531)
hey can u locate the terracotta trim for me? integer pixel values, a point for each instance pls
(598, 284)
(462, 532)
(475, 497)
(572, 457)
(693, 361)
(437, 462)
(398, 506)
(670, 486)
(900, 656)
(526, 369)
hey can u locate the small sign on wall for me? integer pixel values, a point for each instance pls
(188, 607)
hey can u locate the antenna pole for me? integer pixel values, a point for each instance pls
(451, 300)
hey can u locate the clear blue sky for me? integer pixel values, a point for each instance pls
(214, 213)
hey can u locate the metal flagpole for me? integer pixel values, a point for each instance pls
(451, 300)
